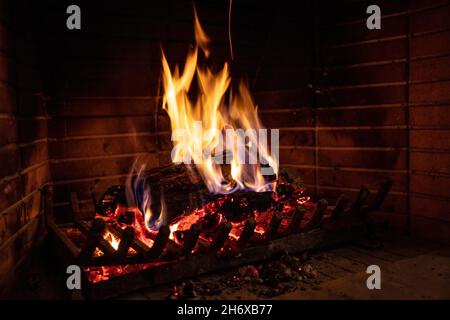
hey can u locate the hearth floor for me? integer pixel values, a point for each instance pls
(410, 269)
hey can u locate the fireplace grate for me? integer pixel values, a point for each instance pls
(134, 265)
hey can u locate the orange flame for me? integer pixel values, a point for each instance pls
(197, 127)
(112, 239)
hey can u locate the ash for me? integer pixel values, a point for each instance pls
(265, 280)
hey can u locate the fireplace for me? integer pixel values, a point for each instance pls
(90, 172)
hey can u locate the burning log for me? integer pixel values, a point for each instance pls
(140, 247)
(241, 203)
(317, 216)
(297, 217)
(272, 228)
(184, 189)
(260, 201)
(247, 232)
(163, 259)
(125, 243)
(94, 235)
(221, 236)
(160, 242)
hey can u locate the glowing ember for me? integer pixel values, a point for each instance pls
(210, 216)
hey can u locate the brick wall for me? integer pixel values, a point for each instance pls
(382, 108)
(429, 134)
(23, 138)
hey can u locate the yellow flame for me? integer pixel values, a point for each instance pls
(200, 36)
(148, 214)
(112, 239)
(197, 125)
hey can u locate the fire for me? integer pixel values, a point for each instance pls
(197, 126)
(112, 239)
(144, 222)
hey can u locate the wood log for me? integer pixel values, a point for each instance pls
(184, 190)
(103, 244)
(140, 247)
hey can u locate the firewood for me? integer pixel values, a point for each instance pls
(103, 245)
(93, 237)
(184, 190)
(140, 247)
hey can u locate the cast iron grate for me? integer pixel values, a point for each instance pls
(134, 265)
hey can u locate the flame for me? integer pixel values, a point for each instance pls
(152, 224)
(139, 199)
(112, 239)
(201, 125)
(200, 36)
(198, 126)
